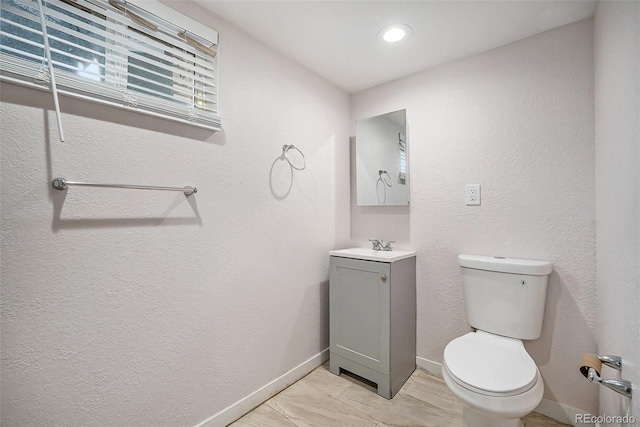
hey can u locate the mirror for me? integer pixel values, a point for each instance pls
(382, 176)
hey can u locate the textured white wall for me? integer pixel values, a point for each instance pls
(145, 308)
(519, 121)
(617, 113)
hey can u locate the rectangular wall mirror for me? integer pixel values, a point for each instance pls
(382, 176)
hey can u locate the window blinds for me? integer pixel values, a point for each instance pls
(402, 146)
(115, 53)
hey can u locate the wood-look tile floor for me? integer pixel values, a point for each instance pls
(322, 399)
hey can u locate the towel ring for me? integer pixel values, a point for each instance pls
(286, 148)
(387, 181)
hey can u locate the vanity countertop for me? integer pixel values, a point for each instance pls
(371, 255)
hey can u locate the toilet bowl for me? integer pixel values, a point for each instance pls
(495, 378)
(489, 369)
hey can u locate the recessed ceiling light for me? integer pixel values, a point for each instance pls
(394, 33)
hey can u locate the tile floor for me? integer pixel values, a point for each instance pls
(322, 399)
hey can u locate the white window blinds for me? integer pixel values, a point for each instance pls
(402, 146)
(115, 53)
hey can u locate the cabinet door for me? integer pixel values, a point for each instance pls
(359, 310)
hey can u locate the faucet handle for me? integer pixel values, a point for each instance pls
(377, 244)
(387, 246)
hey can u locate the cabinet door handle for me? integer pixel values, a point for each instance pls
(383, 277)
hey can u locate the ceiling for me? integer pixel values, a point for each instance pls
(338, 39)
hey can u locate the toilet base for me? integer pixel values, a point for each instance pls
(474, 418)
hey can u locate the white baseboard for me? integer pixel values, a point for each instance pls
(264, 393)
(557, 411)
(560, 412)
(434, 368)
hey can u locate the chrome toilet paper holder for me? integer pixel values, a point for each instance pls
(614, 362)
(622, 387)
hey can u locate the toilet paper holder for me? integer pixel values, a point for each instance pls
(591, 365)
(614, 362)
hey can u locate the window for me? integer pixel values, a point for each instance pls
(402, 146)
(116, 53)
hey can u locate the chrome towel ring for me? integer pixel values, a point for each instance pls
(286, 148)
(387, 181)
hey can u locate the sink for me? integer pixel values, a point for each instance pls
(371, 255)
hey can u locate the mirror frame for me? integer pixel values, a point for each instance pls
(381, 178)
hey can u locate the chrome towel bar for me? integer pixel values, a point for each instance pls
(63, 184)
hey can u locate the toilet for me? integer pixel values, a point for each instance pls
(489, 369)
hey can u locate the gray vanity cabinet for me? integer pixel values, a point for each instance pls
(372, 320)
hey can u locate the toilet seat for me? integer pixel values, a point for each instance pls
(490, 365)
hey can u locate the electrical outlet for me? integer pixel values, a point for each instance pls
(472, 194)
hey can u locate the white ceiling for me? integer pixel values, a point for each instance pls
(338, 39)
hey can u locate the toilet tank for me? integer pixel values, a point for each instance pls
(505, 296)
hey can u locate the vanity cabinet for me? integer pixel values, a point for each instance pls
(372, 316)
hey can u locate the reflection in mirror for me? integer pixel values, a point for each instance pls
(382, 177)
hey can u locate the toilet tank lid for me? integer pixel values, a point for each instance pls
(505, 265)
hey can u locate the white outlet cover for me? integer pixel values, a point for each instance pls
(472, 194)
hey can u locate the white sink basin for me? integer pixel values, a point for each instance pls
(371, 255)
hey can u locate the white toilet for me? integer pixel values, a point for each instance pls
(490, 370)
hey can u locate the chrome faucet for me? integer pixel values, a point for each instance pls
(387, 246)
(376, 244)
(380, 245)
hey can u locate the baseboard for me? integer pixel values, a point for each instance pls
(264, 393)
(557, 411)
(434, 368)
(560, 412)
